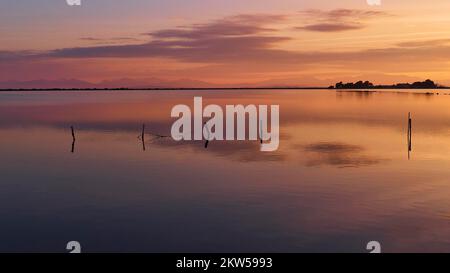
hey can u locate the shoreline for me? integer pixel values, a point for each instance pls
(365, 90)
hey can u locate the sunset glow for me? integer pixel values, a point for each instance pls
(201, 43)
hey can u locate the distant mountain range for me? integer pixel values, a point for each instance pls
(155, 83)
(127, 83)
(113, 84)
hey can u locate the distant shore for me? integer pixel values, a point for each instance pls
(220, 88)
(360, 85)
(164, 88)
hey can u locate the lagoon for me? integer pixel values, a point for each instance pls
(343, 174)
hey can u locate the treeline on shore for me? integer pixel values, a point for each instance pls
(428, 84)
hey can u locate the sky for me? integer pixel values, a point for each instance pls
(223, 42)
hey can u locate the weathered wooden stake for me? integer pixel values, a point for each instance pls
(260, 132)
(409, 135)
(73, 139)
(209, 134)
(143, 137)
(73, 132)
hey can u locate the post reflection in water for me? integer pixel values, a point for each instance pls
(73, 147)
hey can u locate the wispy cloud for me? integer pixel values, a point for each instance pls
(17, 55)
(113, 40)
(239, 25)
(337, 20)
(341, 14)
(231, 38)
(425, 43)
(329, 27)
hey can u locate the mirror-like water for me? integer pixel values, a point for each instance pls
(340, 179)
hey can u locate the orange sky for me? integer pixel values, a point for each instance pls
(265, 42)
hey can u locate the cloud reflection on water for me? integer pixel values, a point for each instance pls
(338, 154)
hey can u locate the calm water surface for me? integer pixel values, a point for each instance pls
(340, 179)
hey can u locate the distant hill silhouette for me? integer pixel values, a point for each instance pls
(123, 83)
(428, 84)
(155, 83)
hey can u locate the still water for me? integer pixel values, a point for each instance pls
(341, 176)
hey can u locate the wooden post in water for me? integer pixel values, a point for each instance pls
(73, 139)
(260, 131)
(209, 134)
(409, 135)
(143, 137)
(73, 133)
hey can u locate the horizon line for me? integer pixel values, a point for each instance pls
(212, 88)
